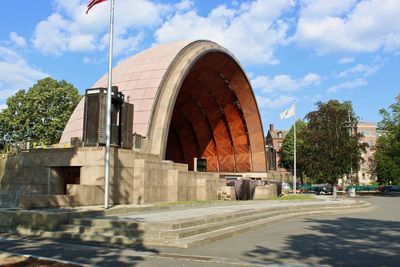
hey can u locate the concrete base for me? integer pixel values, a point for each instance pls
(265, 192)
(75, 177)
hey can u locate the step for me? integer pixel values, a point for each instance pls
(217, 224)
(187, 232)
(113, 222)
(100, 230)
(116, 239)
(181, 229)
(190, 222)
(107, 223)
(178, 233)
(222, 233)
(199, 229)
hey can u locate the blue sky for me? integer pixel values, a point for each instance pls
(307, 50)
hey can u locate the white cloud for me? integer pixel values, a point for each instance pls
(8, 55)
(70, 29)
(276, 102)
(89, 60)
(312, 98)
(358, 82)
(346, 60)
(50, 36)
(309, 79)
(15, 73)
(322, 8)
(17, 40)
(122, 44)
(184, 5)
(251, 31)
(284, 83)
(360, 69)
(3, 106)
(83, 42)
(355, 26)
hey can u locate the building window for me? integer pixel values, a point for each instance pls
(280, 144)
(280, 134)
(371, 144)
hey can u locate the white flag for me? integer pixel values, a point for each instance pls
(287, 113)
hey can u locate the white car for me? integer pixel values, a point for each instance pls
(285, 186)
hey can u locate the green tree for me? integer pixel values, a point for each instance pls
(39, 114)
(331, 147)
(288, 147)
(387, 157)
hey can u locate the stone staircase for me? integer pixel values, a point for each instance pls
(187, 232)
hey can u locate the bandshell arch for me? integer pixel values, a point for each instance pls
(192, 99)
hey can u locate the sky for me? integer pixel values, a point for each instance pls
(304, 50)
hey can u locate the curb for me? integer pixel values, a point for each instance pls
(31, 256)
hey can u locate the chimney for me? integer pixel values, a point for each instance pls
(271, 127)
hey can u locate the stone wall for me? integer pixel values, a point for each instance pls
(35, 179)
(26, 174)
(265, 192)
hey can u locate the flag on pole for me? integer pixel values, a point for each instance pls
(287, 113)
(92, 3)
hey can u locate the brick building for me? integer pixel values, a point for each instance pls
(369, 131)
(273, 143)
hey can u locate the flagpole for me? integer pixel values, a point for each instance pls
(294, 150)
(108, 131)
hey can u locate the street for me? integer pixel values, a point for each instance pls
(363, 239)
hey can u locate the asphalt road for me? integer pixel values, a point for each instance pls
(362, 239)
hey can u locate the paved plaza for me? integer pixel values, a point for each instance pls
(360, 239)
(181, 214)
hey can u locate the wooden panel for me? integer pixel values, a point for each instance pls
(235, 121)
(187, 137)
(220, 131)
(221, 115)
(174, 147)
(253, 121)
(204, 134)
(127, 125)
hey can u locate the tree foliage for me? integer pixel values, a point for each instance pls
(331, 145)
(39, 114)
(288, 146)
(387, 157)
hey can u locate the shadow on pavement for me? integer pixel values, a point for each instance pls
(339, 242)
(388, 194)
(92, 253)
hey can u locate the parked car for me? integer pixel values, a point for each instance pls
(389, 188)
(323, 189)
(298, 191)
